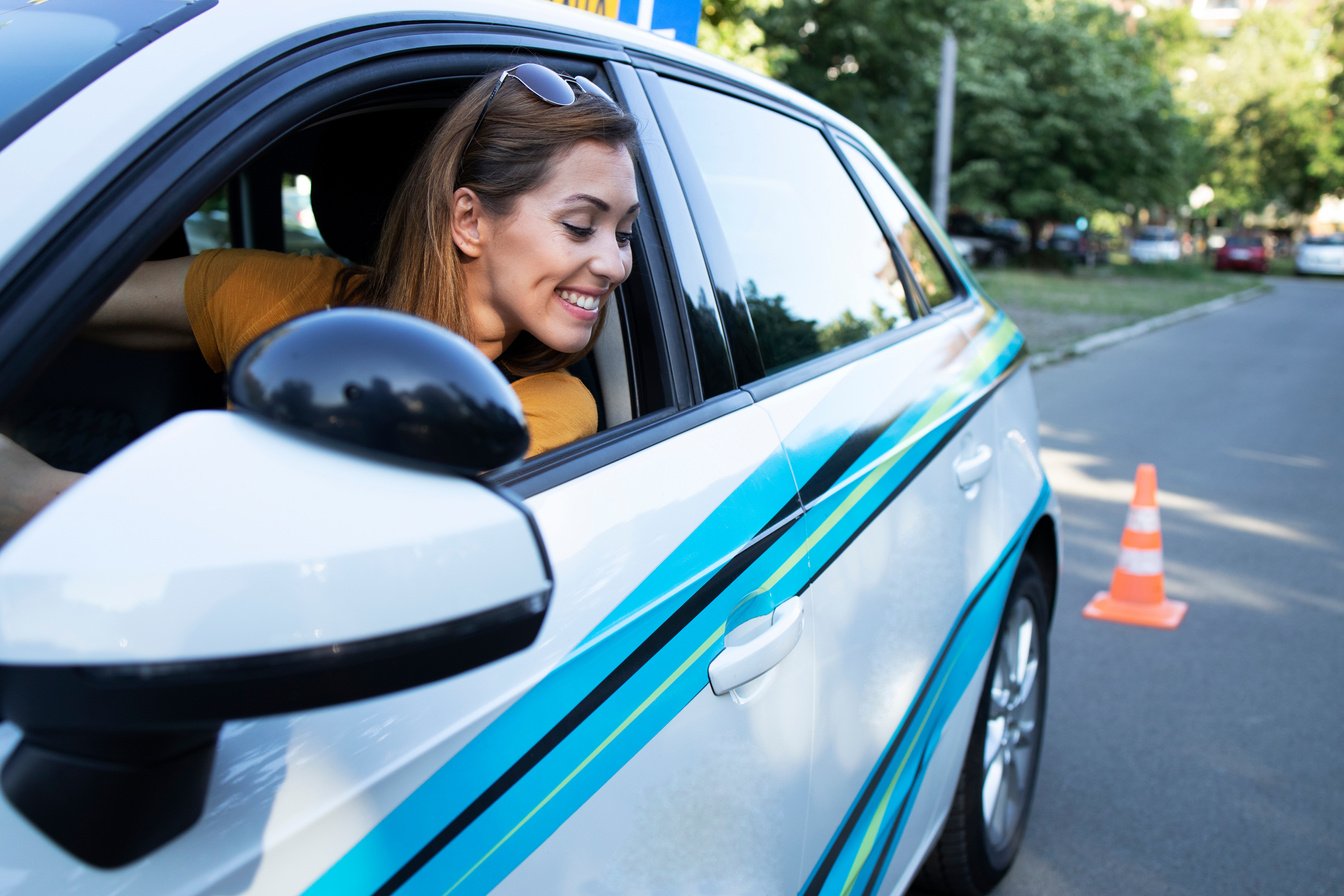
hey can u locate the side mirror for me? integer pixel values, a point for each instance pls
(385, 381)
(228, 566)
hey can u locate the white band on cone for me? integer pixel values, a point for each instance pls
(1141, 561)
(1143, 519)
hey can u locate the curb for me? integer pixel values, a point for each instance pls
(1111, 337)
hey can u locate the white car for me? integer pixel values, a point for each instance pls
(1321, 254)
(1155, 244)
(779, 626)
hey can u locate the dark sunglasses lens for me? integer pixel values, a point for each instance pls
(545, 83)
(589, 87)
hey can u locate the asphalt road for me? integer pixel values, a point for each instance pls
(1209, 759)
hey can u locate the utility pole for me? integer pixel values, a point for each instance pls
(942, 145)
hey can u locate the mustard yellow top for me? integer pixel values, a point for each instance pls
(235, 295)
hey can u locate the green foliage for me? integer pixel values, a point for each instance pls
(1059, 111)
(1264, 98)
(1066, 107)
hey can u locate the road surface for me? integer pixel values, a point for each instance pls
(1208, 760)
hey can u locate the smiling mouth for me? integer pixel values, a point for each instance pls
(578, 300)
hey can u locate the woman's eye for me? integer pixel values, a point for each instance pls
(623, 237)
(582, 232)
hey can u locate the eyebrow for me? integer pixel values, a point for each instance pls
(601, 204)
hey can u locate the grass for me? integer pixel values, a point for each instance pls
(1057, 308)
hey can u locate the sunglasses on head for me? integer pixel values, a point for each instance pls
(546, 84)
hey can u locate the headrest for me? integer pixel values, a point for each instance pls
(359, 162)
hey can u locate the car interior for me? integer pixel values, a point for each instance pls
(324, 187)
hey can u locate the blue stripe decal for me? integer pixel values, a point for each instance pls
(863, 847)
(517, 781)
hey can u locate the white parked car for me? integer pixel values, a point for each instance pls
(1155, 244)
(779, 626)
(1321, 254)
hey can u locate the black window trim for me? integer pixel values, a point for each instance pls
(917, 304)
(963, 290)
(735, 319)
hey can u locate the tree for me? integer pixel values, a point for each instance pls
(1059, 109)
(1267, 98)
(1061, 112)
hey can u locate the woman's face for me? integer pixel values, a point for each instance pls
(548, 267)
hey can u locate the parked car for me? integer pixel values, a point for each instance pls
(779, 625)
(1320, 254)
(987, 243)
(1155, 244)
(1070, 245)
(1242, 252)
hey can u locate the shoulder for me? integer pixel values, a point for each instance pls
(558, 407)
(554, 385)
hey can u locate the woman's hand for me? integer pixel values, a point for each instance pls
(27, 484)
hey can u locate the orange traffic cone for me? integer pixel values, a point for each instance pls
(1137, 595)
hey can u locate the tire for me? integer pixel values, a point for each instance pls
(973, 853)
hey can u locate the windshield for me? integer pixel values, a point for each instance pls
(50, 51)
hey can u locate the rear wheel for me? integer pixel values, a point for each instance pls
(989, 812)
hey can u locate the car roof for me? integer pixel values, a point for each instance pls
(60, 151)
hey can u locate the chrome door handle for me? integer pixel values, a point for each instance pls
(971, 470)
(764, 648)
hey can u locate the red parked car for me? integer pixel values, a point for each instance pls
(1242, 253)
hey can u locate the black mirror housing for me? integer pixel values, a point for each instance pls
(383, 381)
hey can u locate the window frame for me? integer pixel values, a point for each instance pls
(104, 231)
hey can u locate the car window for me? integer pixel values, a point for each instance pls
(927, 270)
(268, 203)
(815, 268)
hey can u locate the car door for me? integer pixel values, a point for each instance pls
(601, 755)
(878, 403)
(671, 744)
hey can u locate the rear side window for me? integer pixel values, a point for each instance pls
(813, 265)
(924, 265)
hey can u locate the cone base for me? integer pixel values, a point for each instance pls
(1167, 614)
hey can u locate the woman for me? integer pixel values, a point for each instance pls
(512, 228)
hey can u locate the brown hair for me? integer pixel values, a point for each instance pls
(417, 268)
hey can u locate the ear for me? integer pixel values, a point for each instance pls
(467, 221)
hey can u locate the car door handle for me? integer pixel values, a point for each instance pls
(971, 470)
(740, 663)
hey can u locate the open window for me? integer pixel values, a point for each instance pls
(320, 186)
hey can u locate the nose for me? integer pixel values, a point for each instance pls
(609, 260)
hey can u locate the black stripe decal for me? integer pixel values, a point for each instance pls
(889, 844)
(847, 829)
(672, 626)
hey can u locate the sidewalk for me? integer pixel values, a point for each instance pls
(1057, 336)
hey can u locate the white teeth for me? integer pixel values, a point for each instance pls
(588, 303)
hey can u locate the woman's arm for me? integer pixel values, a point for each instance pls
(27, 484)
(148, 311)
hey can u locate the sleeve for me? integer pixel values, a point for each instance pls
(559, 409)
(235, 295)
